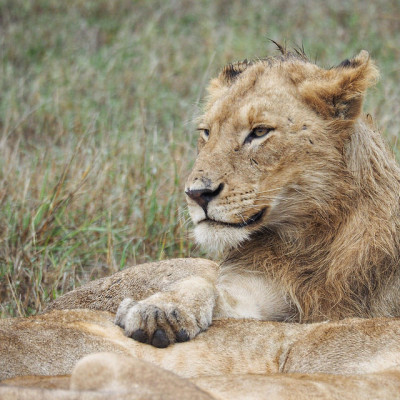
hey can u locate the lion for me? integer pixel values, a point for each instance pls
(295, 191)
(78, 353)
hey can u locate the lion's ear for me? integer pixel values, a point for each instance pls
(230, 72)
(226, 78)
(338, 92)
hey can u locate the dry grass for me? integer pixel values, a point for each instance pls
(96, 103)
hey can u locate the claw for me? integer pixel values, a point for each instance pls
(140, 335)
(182, 336)
(160, 339)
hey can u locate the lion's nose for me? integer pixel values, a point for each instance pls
(203, 196)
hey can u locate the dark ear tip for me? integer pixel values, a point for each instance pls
(345, 64)
(361, 58)
(232, 71)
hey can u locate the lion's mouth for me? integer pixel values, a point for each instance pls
(250, 221)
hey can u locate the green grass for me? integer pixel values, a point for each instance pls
(96, 103)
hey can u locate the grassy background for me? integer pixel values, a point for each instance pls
(96, 103)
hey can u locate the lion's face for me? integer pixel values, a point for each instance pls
(264, 153)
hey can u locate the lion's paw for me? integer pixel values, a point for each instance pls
(159, 323)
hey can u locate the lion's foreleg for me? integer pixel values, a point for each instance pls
(138, 283)
(186, 307)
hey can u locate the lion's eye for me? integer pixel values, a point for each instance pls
(205, 133)
(258, 133)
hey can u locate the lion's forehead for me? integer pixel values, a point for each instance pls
(265, 98)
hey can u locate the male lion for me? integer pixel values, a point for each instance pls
(294, 190)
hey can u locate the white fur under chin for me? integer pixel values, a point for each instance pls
(216, 239)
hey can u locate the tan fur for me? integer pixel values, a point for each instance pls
(305, 218)
(365, 353)
(323, 176)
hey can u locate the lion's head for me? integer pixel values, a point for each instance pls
(271, 145)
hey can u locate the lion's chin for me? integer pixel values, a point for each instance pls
(216, 239)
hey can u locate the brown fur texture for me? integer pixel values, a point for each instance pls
(296, 191)
(329, 187)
